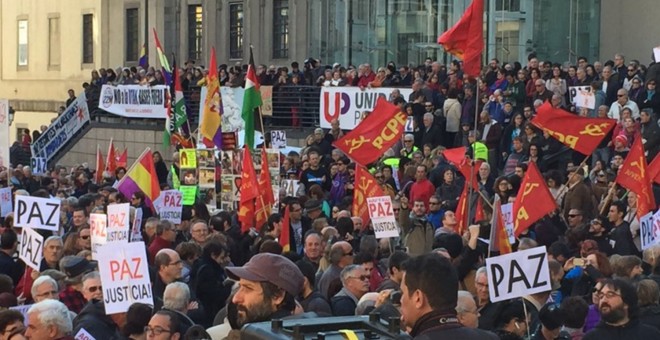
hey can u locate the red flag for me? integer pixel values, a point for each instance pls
(579, 133)
(111, 160)
(375, 134)
(262, 211)
(533, 201)
(122, 160)
(633, 176)
(100, 166)
(455, 155)
(479, 213)
(654, 170)
(470, 171)
(465, 39)
(249, 190)
(265, 186)
(365, 186)
(499, 240)
(284, 238)
(462, 212)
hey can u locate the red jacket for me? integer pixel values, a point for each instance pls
(421, 191)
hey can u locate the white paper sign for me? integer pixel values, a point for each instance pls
(574, 90)
(31, 249)
(4, 133)
(99, 231)
(124, 276)
(518, 274)
(648, 232)
(136, 231)
(5, 202)
(290, 187)
(83, 335)
(135, 101)
(278, 139)
(37, 212)
(382, 216)
(118, 223)
(39, 166)
(170, 205)
(409, 125)
(656, 54)
(585, 99)
(507, 217)
(23, 309)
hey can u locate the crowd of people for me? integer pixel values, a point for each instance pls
(211, 276)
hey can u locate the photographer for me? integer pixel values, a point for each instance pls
(417, 230)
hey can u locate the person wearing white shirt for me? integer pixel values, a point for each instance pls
(622, 102)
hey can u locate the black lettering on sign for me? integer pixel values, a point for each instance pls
(497, 273)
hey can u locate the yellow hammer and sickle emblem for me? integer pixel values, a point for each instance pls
(528, 189)
(638, 165)
(356, 143)
(594, 129)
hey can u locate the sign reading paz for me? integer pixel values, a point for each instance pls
(118, 223)
(37, 213)
(98, 229)
(5, 202)
(125, 276)
(648, 230)
(31, 250)
(518, 274)
(170, 205)
(382, 216)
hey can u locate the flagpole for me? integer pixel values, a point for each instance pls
(469, 182)
(263, 132)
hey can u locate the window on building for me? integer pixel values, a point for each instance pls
(132, 35)
(88, 39)
(507, 5)
(54, 51)
(22, 43)
(280, 28)
(236, 30)
(195, 32)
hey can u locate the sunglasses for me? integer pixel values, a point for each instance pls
(84, 237)
(95, 288)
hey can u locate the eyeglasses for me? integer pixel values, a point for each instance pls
(434, 203)
(631, 70)
(396, 209)
(407, 141)
(607, 295)
(93, 289)
(156, 330)
(572, 216)
(361, 277)
(620, 95)
(50, 293)
(84, 237)
(175, 263)
(350, 253)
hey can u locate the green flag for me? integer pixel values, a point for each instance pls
(251, 101)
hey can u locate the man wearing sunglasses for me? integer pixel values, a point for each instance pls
(355, 282)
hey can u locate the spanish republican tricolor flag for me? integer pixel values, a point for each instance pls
(141, 177)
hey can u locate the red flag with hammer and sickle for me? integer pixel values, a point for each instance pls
(533, 201)
(377, 133)
(365, 186)
(581, 134)
(249, 190)
(633, 176)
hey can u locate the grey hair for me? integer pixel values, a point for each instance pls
(72, 200)
(460, 308)
(53, 313)
(429, 115)
(176, 296)
(91, 276)
(41, 280)
(53, 238)
(409, 136)
(481, 270)
(346, 272)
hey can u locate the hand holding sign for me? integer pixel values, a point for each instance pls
(31, 250)
(37, 213)
(118, 225)
(382, 216)
(125, 276)
(518, 274)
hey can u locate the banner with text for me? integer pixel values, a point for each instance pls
(649, 229)
(98, 229)
(135, 101)
(31, 250)
(348, 104)
(124, 276)
(37, 212)
(5, 202)
(518, 274)
(118, 223)
(4, 133)
(382, 216)
(170, 205)
(136, 229)
(60, 132)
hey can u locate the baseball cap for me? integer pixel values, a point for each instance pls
(272, 268)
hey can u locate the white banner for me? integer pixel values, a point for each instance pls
(382, 216)
(290, 187)
(98, 229)
(135, 101)
(507, 216)
(170, 205)
(518, 274)
(39, 166)
(31, 250)
(67, 125)
(648, 229)
(136, 230)
(83, 335)
(37, 213)
(118, 223)
(4, 133)
(349, 103)
(574, 91)
(5, 202)
(124, 276)
(278, 139)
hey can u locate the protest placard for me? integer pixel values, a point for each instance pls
(648, 233)
(37, 212)
(382, 216)
(136, 230)
(507, 216)
(188, 158)
(5, 202)
(409, 127)
(170, 205)
(39, 166)
(83, 335)
(518, 274)
(118, 223)
(124, 276)
(67, 125)
(98, 229)
(278, 139)
(290, 187)
(23, 309)
(188, 194)
(31, 250)
(135, 101)
(573, 91)
(585, 99)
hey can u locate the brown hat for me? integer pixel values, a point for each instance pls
(272, 268)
